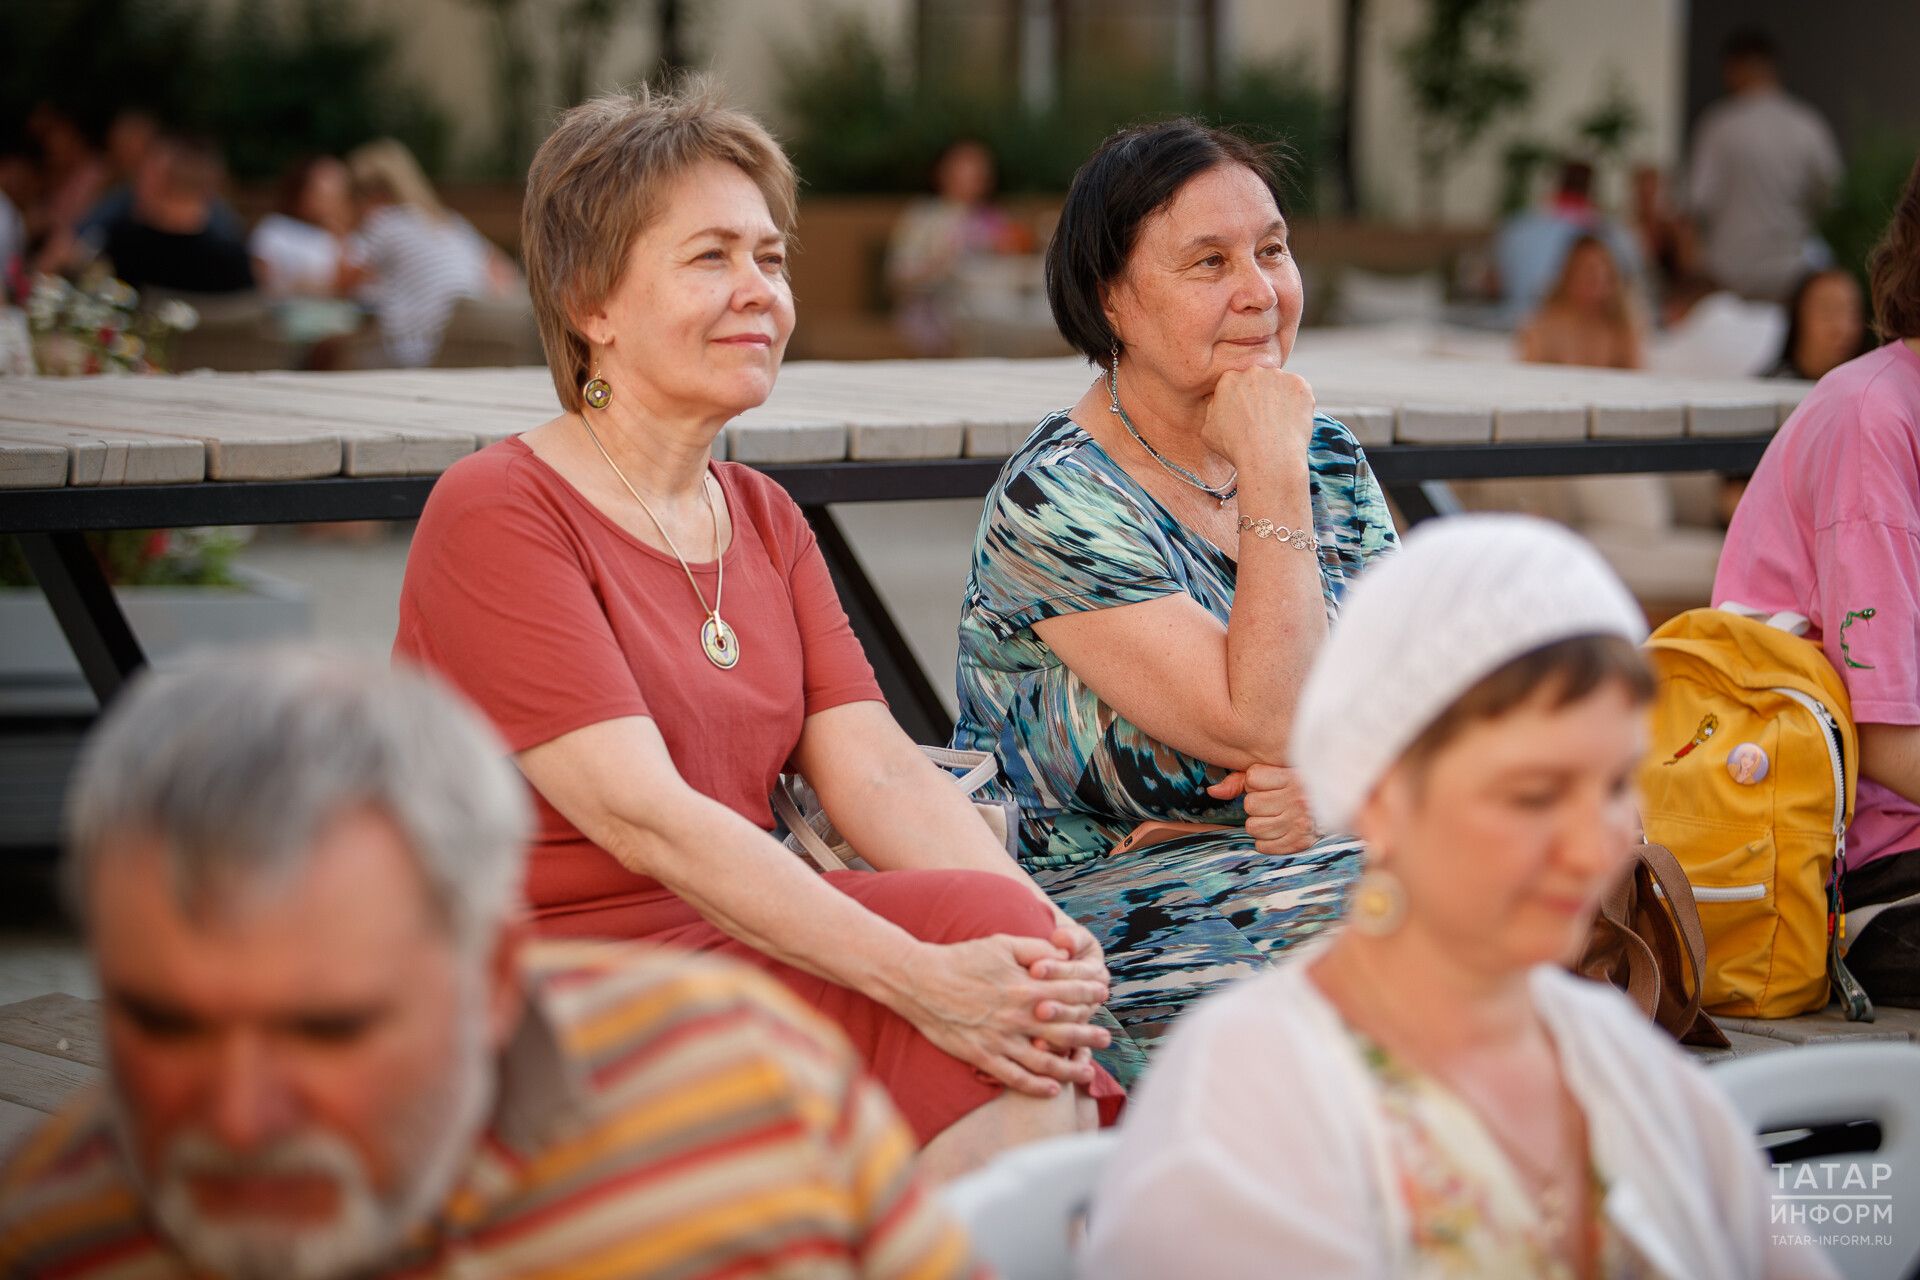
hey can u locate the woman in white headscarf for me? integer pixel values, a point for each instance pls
(1428, 1093)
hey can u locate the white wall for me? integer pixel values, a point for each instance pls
(1575, 48)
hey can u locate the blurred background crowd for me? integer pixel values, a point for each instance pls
(334, 183)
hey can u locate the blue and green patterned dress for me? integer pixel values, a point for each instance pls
(1066, 530)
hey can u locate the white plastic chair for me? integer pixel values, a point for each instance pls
(1024, 1210)
(1829, 1084)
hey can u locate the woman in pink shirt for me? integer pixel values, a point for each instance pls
(1830, 528)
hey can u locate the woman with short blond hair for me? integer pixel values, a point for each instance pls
(657, 637)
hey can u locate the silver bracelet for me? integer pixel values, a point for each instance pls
(1298, 539)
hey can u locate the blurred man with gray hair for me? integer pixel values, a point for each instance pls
(332, 1052)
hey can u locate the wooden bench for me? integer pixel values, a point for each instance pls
(52, 1045)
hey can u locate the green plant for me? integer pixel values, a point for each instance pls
(286, 80)
(1610, 123)
(1463, 72)
(147, 557)
(1877, 166)
(268, 81)
(97, 325)
(859, 128)
(89, 57)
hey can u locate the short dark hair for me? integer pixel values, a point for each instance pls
(1749, 44)
(1576, 178)
(1133, 175)
(1893, 268)
(1563, 672)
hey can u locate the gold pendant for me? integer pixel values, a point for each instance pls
(717, 639)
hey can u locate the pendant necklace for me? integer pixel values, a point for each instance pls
(1221, 493)
(717, 640)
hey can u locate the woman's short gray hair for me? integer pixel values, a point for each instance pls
(238, 759)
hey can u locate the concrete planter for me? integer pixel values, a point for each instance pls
(41, 684)
(168, 621)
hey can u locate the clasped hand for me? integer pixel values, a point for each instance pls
(1017, 1008)
(1278, 817)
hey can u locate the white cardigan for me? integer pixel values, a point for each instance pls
(1256, 1147)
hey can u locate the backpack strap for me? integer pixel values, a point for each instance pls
(1677, 891)
(1794, 624)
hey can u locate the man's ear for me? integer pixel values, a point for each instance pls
(506, 986)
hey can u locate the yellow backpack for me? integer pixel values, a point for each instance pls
(1750, 782)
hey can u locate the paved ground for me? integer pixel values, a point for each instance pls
(916, 553)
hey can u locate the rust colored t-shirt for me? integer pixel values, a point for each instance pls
(551, 618)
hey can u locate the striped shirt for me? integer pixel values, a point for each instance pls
(422, 265)
(660, 1115)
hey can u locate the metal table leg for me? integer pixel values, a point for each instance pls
(915, 703)
(1422, 500)
(87, 612)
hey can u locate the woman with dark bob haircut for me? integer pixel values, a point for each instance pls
(1154, 570)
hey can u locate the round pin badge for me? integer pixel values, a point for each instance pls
(1748, 764)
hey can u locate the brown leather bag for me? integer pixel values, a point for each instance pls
(1157, 831)
(1647, 941)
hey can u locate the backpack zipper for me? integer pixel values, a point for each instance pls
(1852, 997)
(1832, 738)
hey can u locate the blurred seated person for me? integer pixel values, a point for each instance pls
(333, 1051)
(1826, 326)
(1707, 331)
(299, 249)
(1154, 569)
(169, 239)
(1658, 229)
(1636, 520)
(301, 252)
(422, 256)
(657, 637)
(130, 138)
(1531, 248)
(1830, 529)
(1588, 317)
(19, 192)
(74, 175)
(936, 236)
(1426, 1092)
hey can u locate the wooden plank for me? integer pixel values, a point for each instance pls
(868, 441)
(16, 1123)
(40, 1081)
(769, 442)
(1371, 426)
(59, 1025)
(365, 448)
(249, 449)
(1824, 1027)
(1539, 422)
(1421, 423)
(1742, 1044)
(1731, 417)
(105, 456)
(1639, 421)
(30, 464)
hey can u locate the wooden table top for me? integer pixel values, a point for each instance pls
(296, 426)
(49, 1046)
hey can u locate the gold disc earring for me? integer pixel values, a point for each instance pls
(598, 393)
(1379, 902)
